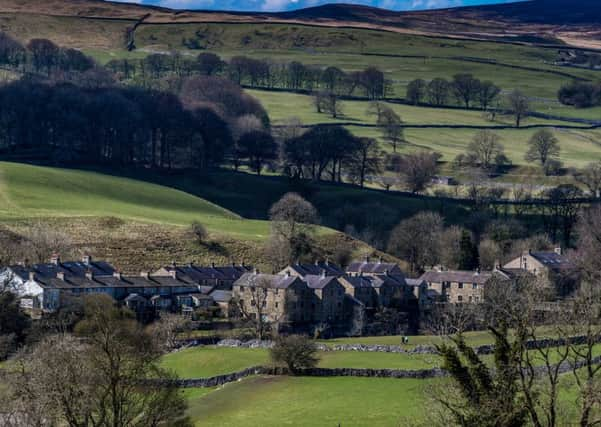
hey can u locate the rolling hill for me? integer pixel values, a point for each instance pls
(535, 21)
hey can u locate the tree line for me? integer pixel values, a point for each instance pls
(370, 83)
(42, 56)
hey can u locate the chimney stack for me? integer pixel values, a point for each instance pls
(117, 275)
(558, 250)
(60, 275)
(89, 275)
(86, 259)
(323, 273)
(55, 259)
(144, 274)
(31, 276)
(173, 274)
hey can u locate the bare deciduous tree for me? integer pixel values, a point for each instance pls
(417, 240)
(519, 104)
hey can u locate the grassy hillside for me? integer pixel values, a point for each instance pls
(140, 225)
(403, 57)
(33, 191)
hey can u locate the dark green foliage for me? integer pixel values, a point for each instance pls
(13, 324)
(295, 351)
(486, 396)
(468, 259)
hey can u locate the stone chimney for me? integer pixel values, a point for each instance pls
(379, 260)
(117, 275)
(323, 273)
(32, 276)
(558, 250)
(213, 264)
(55, 259)
(173, 264)
(255, 271)
(60, 275)
(173, 273)
(86, 259)
(144, 274)
(89, 275)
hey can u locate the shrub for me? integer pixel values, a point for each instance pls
(295, 351)
(199, 232)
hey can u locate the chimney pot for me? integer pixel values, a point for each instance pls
(60, 275)
(558, 250)
(117, 275)
(144, 274)
(89, 275)
(86, 259)
(31, 276)
(173, 274)
(55, 259)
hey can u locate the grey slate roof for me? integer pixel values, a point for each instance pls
(221, 296)
(553, 260)
(269, 281)
(373, 268)
(319, 281)
(358, 281)
(414, 282)
(456, 276)
(198, 273)
(317, 269)
(69, 269)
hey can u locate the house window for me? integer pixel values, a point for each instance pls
(460, 285)
(277, 304)
(470, 299)
(264, 304)
(475, 286)
(460, 298)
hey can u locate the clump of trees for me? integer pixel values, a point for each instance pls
(42, 56)
(485, 151)
(580, 94)
(465, 88)
(131, 126)
(332, 152)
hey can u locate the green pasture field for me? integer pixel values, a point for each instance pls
(32, 191)
(200, 362)
(306, 401)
